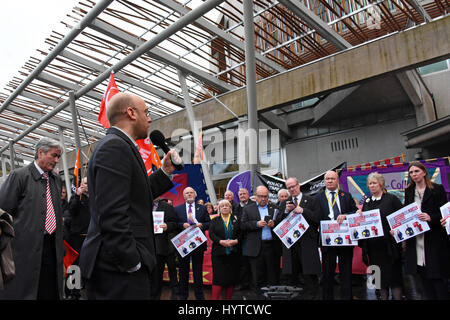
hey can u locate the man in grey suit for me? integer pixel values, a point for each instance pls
(118, 255)
(32, 196)
(258, 221)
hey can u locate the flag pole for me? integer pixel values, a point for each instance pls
(195, 134)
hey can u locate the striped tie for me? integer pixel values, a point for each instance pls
(50, 219)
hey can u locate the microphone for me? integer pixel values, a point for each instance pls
(158, 140)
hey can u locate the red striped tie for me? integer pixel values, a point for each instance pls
(50, 219)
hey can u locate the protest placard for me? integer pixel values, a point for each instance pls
(445, 211)
(334, 234)
(291, 229)
(188, 240)
(365, 225)
(158, 219)
(406, 224)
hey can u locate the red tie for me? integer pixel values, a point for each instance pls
(50, 219)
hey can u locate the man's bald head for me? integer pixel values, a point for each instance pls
(118, 105)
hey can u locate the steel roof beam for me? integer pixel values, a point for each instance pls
(22, 126)
(121, 76)
(91, 15)
(322, 28)
(160, 55)
(67, 85)
(204, 24)
(148, 45)
(54, 103)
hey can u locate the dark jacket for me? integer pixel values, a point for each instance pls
(437, 251)
(79, 214)
(121, 195)
(217, 233)
(23, 196)
(253, 234)
(7, 268)
(162, 240)
(308, 244)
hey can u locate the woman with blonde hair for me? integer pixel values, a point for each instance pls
(428, 254)
(383, 251)
(224, 231)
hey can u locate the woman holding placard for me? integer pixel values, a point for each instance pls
(383, 251)
(224, 232)
(428, 254)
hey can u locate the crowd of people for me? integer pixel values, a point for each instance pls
(108, 220)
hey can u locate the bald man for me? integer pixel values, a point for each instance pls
(257, 221)
(118, 255)
(189, 213)
(335, 204)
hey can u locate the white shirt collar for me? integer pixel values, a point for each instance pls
(129, 137)
(375, 199)
(38, 168)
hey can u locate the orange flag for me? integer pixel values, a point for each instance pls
(149, 155)
(111, 90)
(76, 170)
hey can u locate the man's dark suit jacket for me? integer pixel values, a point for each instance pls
(201, 214)
(250, 217)
(162, 240)
(347, 204)
(120, 234)
(309, 240)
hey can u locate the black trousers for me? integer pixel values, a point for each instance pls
(48, 285)
(264, 266)
(110, 285)
(433, 289)
(197, 269)
(158, 273)
(345, 255)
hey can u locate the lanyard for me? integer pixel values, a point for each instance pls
(227, 223)
(328, 199)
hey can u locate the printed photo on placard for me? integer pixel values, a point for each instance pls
(445, 212)
(406, 224)
(158, 219)
(334, 234)
(291, 229)
(188, 240)
(365, 225)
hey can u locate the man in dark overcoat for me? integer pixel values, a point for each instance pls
(35, 205)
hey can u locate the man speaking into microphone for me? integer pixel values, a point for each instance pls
(118, 255)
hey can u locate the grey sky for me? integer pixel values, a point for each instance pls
(24, 25)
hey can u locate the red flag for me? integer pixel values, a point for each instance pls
(111, 90)
(76, 170)
(69, 257)
(148, 154)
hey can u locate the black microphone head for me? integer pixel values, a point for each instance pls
(158, 140)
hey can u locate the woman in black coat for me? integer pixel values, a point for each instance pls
(428, 254)
(224, 232)
(383, 251)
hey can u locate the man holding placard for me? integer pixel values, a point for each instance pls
(334, 205)
(304, 252)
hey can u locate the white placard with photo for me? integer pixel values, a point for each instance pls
(158, 219)
(188, 240)
(334, 234)
(406, 224)
(291, 229)
(445, 211)
(365, 225)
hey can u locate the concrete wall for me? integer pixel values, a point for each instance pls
(439, 85)
(311, 156)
